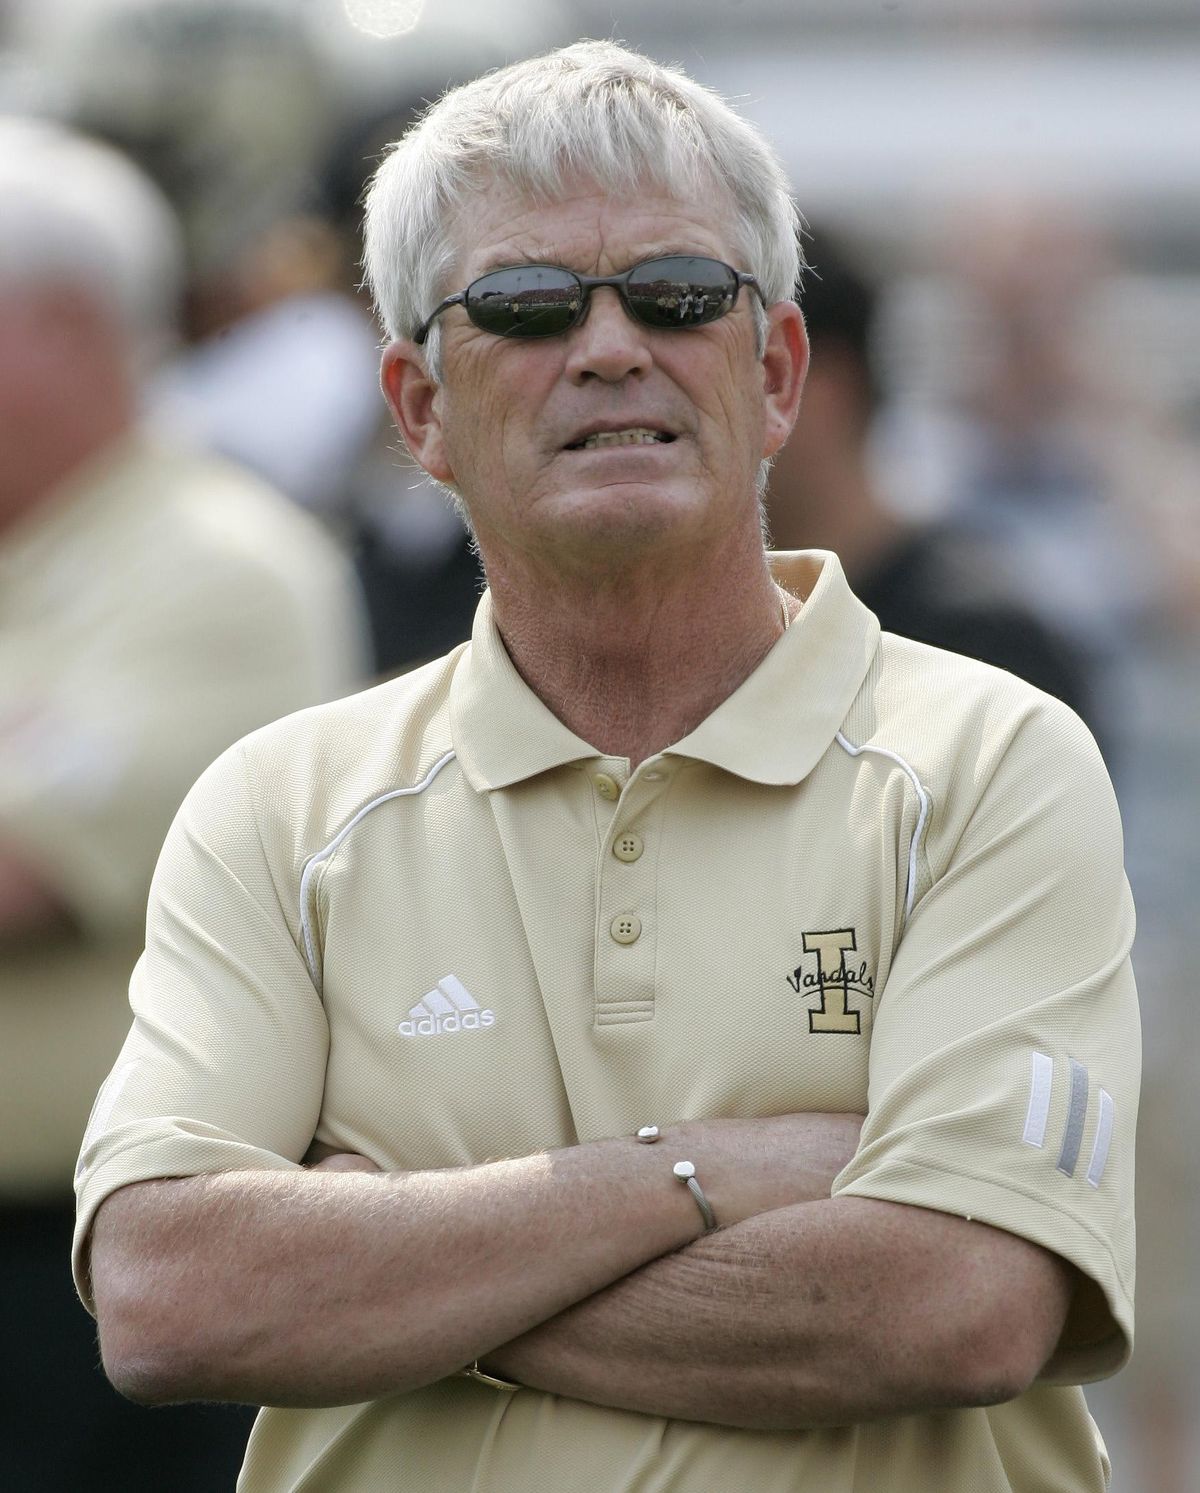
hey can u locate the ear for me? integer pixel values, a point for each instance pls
(416, 405)
(784, 365)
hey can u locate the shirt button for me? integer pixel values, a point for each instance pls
(606, 786)
(626, 927)
(628, 847)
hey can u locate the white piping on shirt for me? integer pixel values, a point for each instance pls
(314, 861)
(923, 799)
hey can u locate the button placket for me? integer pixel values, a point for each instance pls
(628, 846)
(627, 889)
(626, 928)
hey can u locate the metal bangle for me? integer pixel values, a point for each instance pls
(686, 1173)
(491, 1380)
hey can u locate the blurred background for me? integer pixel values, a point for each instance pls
(205, 522)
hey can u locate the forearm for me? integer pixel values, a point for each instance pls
(305, 1288)
(310, 1288)
(822, 1314)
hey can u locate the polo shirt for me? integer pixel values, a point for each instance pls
(156, 607)
(432, 925)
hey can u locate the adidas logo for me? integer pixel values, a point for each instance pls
(449, 1007)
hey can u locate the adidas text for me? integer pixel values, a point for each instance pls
(430, 1026)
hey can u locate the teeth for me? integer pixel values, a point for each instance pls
(637, 437)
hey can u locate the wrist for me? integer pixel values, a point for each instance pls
(684, 1172)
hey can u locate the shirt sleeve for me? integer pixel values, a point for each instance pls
(224, 1067)
(1005, 1053)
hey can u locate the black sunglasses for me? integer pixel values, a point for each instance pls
(545, 300)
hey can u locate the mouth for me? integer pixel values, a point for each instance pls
(634, 435)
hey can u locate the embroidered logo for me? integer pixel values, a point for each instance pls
(834, 980)
(448, 1007)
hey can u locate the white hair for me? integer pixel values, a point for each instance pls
(73, 211)
(595, 111)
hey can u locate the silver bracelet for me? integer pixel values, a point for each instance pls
(686, 1172)
(493, 1381)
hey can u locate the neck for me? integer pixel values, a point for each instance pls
(633, 662)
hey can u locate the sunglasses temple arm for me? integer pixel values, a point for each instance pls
(745, 278)
(459, 298)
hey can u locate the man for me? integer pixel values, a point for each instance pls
(922, 580)
(676, 845)
(154, 606)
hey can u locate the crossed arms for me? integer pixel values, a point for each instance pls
(576, 1271)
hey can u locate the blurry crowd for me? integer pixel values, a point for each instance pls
(205, 523)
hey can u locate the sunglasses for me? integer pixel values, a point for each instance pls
(545, 300)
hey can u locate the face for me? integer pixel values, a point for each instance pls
(38, 368)
(508, 425)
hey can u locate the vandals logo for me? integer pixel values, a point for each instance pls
(835, 980)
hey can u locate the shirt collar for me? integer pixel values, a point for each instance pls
(773, 729)
(502, 731)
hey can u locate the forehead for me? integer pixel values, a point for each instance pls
(589, 228)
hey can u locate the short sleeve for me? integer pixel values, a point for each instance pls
(1005, 1053)
(224, 1067)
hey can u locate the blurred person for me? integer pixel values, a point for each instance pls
(154, 605)
(230, 105)
(264, 141)
(923, 580)
(413, 554)
(1030, 435)
(783, 1207)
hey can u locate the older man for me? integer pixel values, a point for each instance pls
(580, 954)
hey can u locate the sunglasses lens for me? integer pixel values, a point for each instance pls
(534, 300)
(684, 290)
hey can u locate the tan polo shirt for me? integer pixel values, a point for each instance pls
(161, 605)
(431, 925)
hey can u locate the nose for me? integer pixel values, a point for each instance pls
(609, 345)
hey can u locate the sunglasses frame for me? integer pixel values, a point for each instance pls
(588, 283)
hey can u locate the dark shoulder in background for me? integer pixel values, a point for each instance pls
(927, 580)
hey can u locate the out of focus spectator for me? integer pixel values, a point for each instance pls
(230, 105)
(419, 571)
(922, 580)
(1027, 445)
(155, 604)
(246, 121)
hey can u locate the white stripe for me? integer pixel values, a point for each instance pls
(454, 988)
(106, 1101)
(922, 798)
(1103, 1140)
(419, 1010)
(1040, 1082)
(438, 1003)
(312, 863)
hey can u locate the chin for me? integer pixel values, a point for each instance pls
(616, 516)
